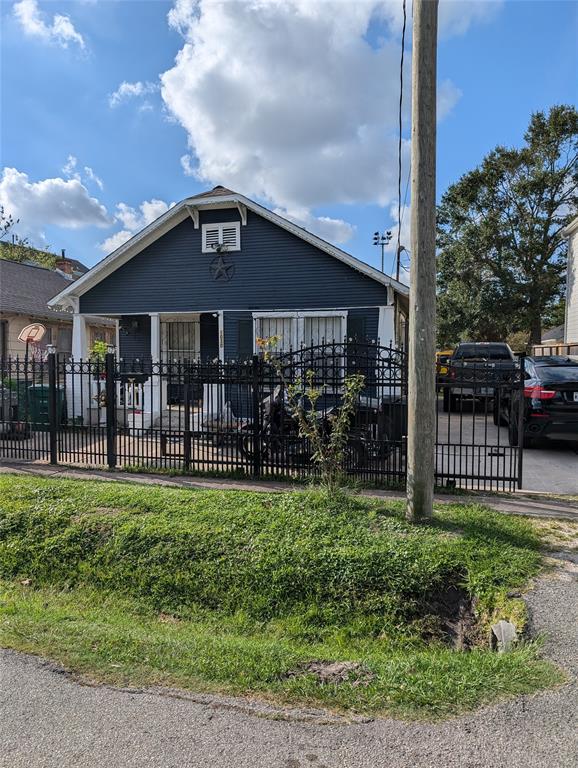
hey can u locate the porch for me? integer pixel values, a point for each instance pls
(164, 341)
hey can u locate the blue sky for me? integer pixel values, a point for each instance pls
(293, 104)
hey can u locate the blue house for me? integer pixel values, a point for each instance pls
(218, 270)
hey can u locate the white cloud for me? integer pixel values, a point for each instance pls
(314, 126)
(455, 17)
(58, 202)
(333, 230)
(133, 220)
(70, 170)
(60, 30)
(448, 95)
(311, 127)
(187, 165)
(126, 91)
(91, 175)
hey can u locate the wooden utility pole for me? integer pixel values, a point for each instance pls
(422, 296)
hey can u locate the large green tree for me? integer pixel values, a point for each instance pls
(502, 256)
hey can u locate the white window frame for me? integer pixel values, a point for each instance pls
(298, 327)
(236, 225)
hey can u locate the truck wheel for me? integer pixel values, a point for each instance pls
(527, 442)
(447, 406)
(498, 419)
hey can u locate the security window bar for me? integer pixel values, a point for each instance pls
(180, 340)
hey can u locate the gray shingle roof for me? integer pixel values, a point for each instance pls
(553, 334)
(25, 289)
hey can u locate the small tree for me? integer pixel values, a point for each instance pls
(20, 249)
(329, 445)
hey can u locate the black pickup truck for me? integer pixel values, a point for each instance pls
(475, 371)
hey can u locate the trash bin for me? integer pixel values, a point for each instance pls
(38, 404)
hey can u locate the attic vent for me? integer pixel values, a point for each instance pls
(227, 235)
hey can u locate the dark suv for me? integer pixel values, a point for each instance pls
(549, 402)
(475, 370)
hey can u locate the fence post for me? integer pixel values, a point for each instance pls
(187, 430)
(256, 418)
(53, 421)
(110, 410)
(521, 415)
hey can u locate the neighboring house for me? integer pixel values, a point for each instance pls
(217, 271)
(553, 335)
(25, 289)
(571, 325)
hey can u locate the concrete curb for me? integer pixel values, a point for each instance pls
(533, 506)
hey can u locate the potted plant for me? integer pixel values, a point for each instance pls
(97, 358)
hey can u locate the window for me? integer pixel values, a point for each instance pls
(227, 235)
(282, 326)
(319, 330)
(99, 333)
(64, 341)
(297, 329)
(180, 340)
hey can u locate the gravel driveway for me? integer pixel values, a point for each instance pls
(48, 720)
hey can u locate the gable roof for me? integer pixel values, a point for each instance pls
(217, 197)
(26, 288)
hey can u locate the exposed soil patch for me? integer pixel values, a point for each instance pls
(452, 618)
(334, 672)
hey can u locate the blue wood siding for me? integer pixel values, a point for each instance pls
(273, 270)
(135, 338)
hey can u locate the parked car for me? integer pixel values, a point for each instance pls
(443, 358)
(474, 371)
(549, 401)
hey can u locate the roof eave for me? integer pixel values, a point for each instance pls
(569, 229)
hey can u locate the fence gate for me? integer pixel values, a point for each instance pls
(234, 418)
(480, 426)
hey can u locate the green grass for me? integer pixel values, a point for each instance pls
(229, 590)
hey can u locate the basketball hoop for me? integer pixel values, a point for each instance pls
(32, 334)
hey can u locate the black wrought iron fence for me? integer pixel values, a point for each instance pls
(479, 424)
(236, 417)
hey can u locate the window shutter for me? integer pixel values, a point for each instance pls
(356, 328)
(230, 237)
(226, 234)
(245, 340)
(211, 237)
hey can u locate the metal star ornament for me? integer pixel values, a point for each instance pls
(220, 269)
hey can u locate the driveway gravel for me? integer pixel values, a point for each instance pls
(49, 720)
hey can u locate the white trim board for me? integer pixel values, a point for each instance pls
(182, 211)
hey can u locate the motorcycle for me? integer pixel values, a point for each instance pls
(370, 439)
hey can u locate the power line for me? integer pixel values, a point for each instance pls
(400, 141)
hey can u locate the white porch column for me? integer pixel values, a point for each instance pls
(222, 336)
(79, 337)
(155, 388)
(386, 326)
(78, 380)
